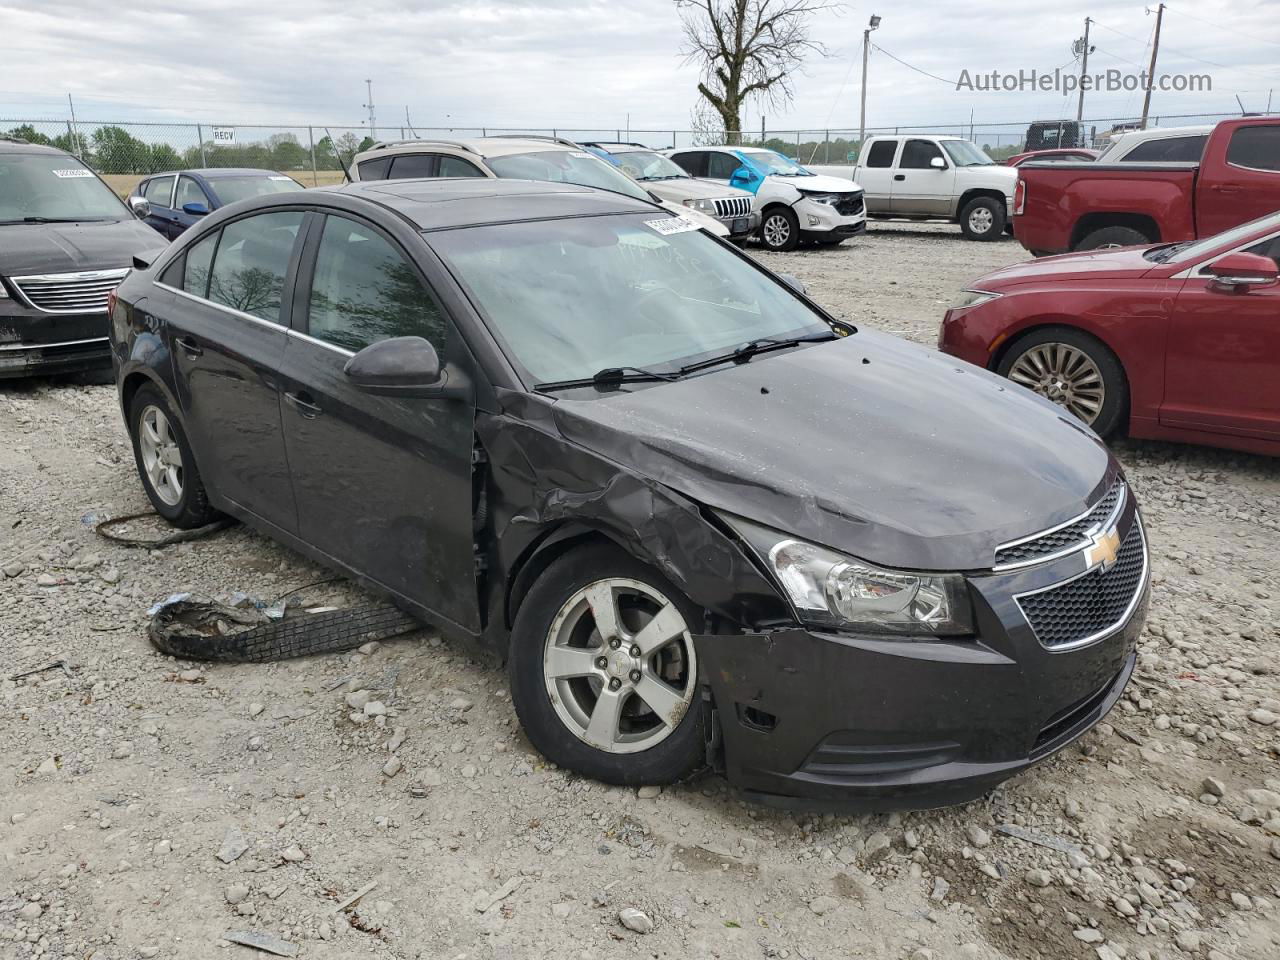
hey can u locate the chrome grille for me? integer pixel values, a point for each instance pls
(1066, 538)
(1088, 607)
(69, 292)
(733, 207)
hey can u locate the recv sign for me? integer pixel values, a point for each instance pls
(224, 136)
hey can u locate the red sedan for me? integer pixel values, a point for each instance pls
(1176, 341)
(1058, 154)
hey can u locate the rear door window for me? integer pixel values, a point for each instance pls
(720, 166)
(375, 169)
(252, 262)
(692, 162)
(159, 192)
(364, 290)
(1257, 148)
(1168, 150)
(881, 153)
(412, 165)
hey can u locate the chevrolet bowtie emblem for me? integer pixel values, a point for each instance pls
(1103, 551)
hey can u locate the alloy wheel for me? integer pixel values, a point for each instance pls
(161, 455)
(1064, 374)
(776, 231)
(981, 220)
(619, 665)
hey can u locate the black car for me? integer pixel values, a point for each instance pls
(176, 199)
(66, 241)
(706, 521)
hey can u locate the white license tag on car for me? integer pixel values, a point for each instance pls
(279, 178)
(670, 225)
(72, 173)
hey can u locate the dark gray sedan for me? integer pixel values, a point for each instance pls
(707, 523)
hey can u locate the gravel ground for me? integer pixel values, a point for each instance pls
(122, 783)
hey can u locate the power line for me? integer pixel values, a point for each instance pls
(1250, 37)
(932, 76)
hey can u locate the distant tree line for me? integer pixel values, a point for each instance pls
(112, 149)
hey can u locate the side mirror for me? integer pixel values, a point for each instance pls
(406, 367)
(140, 206)
(744, 177)
(1241, 271)
(938, 163)
(794, 283)
(195, 209)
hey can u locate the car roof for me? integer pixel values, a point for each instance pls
(483, 147)
(442, 203)
(11, 145)
(617, 146)
(216, 173)
(1163, 133)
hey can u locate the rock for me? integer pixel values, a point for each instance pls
(977, 836)
(1039, 878)
(940, 889)
(392, 767)
(47, 766)
(122, 750)
(1241, 902)
(370, 648)
(31, 911)
(635, 920)
(877, 848)
(1264, 799)
(468, 771)
(561, 911)
(461, 705)
(233, 845)
(1213, 788)
(1087, 935)
(148, 950)
(1124, 906)
(255, 709)
(1275, 848)
(1264, 717)
(649, 792)
(823, 905)
(112, 575)
(255, 744)
(357, 699)
(969, 951)
(292, 854)
(375, 708)
(1072, 809)
(1106, 953)
(1188, 941)
(191, 676)
(236, 893)
(922, 953)
(398, 737)
(15, 569)
(162, 848)
(46, 580)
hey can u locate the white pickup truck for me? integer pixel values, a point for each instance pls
(920, 177)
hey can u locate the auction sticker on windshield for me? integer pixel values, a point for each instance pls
(669, 225)
(74, 172)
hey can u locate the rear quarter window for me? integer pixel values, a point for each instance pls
(1257, 148)
(881, 153)
(375, 169)
(1168, 150)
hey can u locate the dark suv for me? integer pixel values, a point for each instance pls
(66, 241)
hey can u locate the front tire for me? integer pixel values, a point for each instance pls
(603, 670)
(1074, 370)
(983, 219)
(165, 462)
(780, 229)
(1108, 238)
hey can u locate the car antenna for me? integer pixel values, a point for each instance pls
(337, 153)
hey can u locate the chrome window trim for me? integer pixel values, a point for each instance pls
(323, 343)
(173, 185)
(1105, 631)
(273, 324)
(1066, 551)
(88, 275)
(48, 346)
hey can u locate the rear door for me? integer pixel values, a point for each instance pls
(1239, 180)
(226, 332)
(383, 484)
(189, 192)
(875, 174)
(692, 162)
(159, 194)
(919, 188)
(1222, 365)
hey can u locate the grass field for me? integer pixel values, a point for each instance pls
(123, 183)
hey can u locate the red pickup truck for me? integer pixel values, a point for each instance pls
(1059, 207)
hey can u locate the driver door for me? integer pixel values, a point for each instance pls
(1222, 365)
(919, 188)
(382, 483)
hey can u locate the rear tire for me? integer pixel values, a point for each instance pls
(1073, 369)
(165, 462)
(982, 219)
(1110, 237)
(651, 727)
(780, 229)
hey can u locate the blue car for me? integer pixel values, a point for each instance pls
(170, 202)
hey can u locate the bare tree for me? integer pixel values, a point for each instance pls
(747, 48)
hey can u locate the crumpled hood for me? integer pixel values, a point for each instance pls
(869, 445)
(822, 183)
(36, 248)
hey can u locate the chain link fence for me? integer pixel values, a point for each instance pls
(124, 152)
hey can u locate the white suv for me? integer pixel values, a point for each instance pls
(795, 204)
(511, 158)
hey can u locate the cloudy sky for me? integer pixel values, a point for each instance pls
(589, 64)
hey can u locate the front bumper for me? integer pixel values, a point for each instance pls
(846, 721)
(34, 343)
(741, 227)
(822, 221)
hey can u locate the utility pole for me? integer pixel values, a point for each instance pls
(75, 130)
(1084, 71)
(866, 50)
(1151, 72)
(373, 130)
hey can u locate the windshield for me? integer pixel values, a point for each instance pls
(647, 165)
(566, 166)
(231, 189)
(965, 154)
(1187, 252)
(45, 186)
(775, 164)
(568, 298)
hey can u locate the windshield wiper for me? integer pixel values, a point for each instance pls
(1162, 254)
(752, 347)
(54, 220)
(608, 377)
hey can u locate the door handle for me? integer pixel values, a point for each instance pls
(1226, 188)
(189, 346)
(304, 403)
(900, 176)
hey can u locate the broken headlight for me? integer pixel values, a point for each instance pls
(831, 589)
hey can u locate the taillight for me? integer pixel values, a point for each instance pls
(1020, 197)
